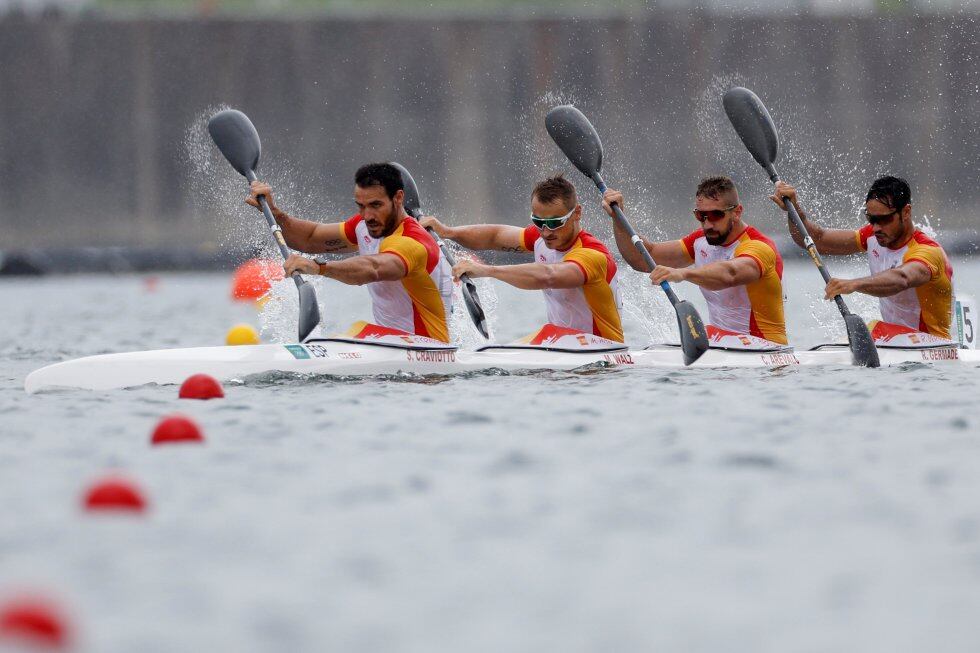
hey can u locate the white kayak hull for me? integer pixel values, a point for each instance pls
(330, 357)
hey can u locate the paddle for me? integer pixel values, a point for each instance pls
(755, 127)
(235, 136)
(413, 207)
(577, 138)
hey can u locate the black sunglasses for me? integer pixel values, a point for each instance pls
(883, 218)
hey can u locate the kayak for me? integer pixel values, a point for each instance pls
(378, 353)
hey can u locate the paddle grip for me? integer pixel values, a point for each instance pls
(628, 228)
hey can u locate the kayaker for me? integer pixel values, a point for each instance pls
(910, 273)
(572, 267)
(409, 281)
(738, 269)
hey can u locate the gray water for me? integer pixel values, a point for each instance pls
(616, 510)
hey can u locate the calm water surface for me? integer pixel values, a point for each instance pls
(616, 510)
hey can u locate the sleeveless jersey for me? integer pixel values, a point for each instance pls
(755, 308)
(591, 308)
(928, 308)
(420, 302)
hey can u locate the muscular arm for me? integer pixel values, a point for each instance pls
(358, 270)
(533, 276)
(884, 284)
(670, 252)
(723, 274)
(503, 237)
(828, 241)
(312, 237)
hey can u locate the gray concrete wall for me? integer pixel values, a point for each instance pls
(96, 115)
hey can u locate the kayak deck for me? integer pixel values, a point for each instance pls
(340, 358)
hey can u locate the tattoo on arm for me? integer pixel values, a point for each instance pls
(334, 245)
(512, 249)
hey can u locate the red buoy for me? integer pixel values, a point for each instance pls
(114, 493)
(254, 278)
(176, 429)
(35, 622)
(201, 386)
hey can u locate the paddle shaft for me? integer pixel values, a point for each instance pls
(275, 228)
(445, 250)
(808, 243)
(636, 240)
(469, 288)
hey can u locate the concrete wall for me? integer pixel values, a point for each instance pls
(97, 116)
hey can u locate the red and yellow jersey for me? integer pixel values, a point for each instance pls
(927, 308)
(420, 302)
(755, 308)
(594, 306)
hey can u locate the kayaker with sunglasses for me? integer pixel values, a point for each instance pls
(573, 268)
(910, 273)
(737, 267)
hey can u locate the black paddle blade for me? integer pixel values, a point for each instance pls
(694, 337)
(309, 310)
(413, 205)
(863, 350)
(235, 136)
(754, 126)
(474, 308)
(576, 137)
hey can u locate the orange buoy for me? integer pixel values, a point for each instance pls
(176, 429)
(35, 622)
(114, 493)
(254, 278)
(201, 386)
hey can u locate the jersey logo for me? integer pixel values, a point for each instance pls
(704, 252)
(541, 258)
(367, 240)
(876, 254)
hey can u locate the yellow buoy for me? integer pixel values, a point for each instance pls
(242, 334)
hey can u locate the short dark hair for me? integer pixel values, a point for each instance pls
(556, 188)
(380, 174)
(718, 187)
(893, 192)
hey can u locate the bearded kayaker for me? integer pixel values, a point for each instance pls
(910, 273)
(738, 269)
(409, 281)
(572, 267)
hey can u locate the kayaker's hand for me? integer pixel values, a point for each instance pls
(784, 191)
(471, 268)
(839, 287)
(428, 221)
(257, 188)
(301, 264)
(611, 197)
(663, 273)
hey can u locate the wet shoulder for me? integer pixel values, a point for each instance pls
(689, 240)
(350, 228)
(414, 242)
(588, 246)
